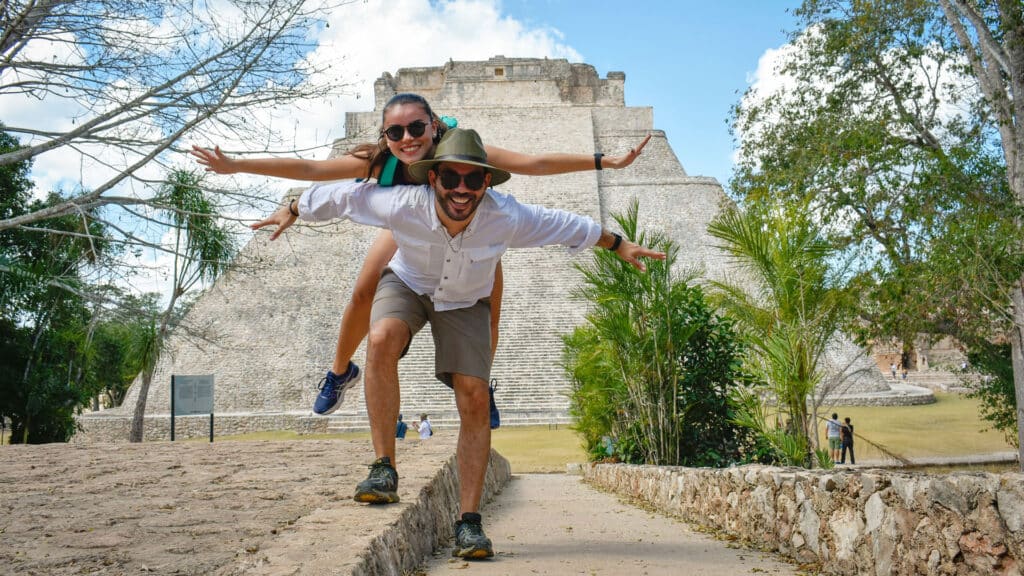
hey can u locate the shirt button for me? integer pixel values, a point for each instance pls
(448, 260)
(440, 289)
(445, 277)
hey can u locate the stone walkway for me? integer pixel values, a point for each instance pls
(555, 524)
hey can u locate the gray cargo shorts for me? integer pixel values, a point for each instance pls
(462, 337)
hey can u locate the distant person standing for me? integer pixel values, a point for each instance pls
(892, 368)
(426, 430)
(846, 435)
(832, 428)
(401, 428)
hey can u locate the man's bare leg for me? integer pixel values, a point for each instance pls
(388, 338)
(473, 453)
(474, 447)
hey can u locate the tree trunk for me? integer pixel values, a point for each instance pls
(139, 417)
(1017, 355)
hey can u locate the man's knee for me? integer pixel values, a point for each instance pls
(472, 392)
(388, 337)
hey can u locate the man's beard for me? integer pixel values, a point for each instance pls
(466, 210)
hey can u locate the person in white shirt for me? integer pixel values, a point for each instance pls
(425, 429)
(450, 236)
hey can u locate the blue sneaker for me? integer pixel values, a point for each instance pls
(332, 389)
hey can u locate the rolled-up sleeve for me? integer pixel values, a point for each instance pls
(362, 202)
(540, 226)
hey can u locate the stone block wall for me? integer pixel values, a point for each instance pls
(847, 522)
(98, 427)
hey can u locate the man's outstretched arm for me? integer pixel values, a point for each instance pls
(359, 201)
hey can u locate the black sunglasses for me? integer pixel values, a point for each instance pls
(395, 132)
(450, 179)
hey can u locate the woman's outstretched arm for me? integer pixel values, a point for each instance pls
(344, 166)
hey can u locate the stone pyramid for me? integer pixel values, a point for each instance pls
(270, 327)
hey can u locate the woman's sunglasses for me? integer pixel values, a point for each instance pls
(395, 132)
(450, 180)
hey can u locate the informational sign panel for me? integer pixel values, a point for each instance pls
(192, 395)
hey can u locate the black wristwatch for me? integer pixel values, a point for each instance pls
(618, 241)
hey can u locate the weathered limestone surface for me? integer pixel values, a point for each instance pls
(271, 326)
(849, 522)
(226, 508)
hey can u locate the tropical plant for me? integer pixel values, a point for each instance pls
(653, 366)
(789, 307)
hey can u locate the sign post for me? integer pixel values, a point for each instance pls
(190, 396)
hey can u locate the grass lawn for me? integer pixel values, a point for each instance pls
(949, 427)
(538, 448)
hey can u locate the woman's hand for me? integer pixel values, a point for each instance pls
(215, 160)
(618, 162)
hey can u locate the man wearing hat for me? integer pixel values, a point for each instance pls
(450, 235)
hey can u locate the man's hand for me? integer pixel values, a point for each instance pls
(631, 253)
(626, 159)
(282, 218)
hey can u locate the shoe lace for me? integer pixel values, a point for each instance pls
(326, 385)
(471, 530)
(380, 470)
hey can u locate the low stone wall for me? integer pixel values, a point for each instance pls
(427, 524)
(847, 522)
(100, 427)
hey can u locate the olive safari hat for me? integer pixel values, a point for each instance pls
(461, 146)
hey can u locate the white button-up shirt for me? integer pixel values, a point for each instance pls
(454, 272)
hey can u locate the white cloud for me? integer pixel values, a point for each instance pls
(953, 94)
(362, 41)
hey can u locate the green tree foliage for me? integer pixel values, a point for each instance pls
(44, 319)
(899, 126)
(653, 368)
(883, 136)
(114, 361)
(789, 307)
(994, 388)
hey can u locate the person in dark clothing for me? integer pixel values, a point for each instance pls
(401, 428)
(846, 435)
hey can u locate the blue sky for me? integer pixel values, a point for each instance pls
(690, 60)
